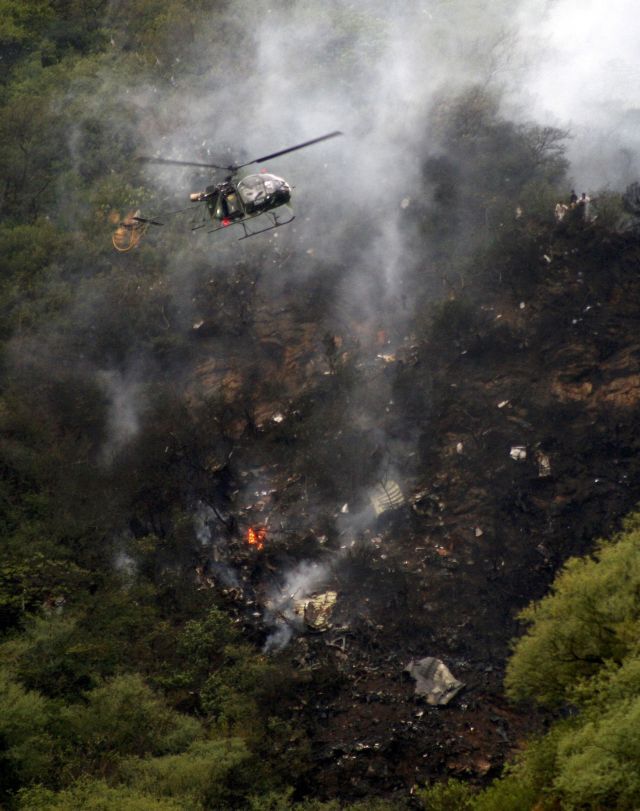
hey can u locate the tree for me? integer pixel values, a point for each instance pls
(581, 652)
(27, 747)
(591, 617)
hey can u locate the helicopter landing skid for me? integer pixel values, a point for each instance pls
(276, 223)
(271, 215)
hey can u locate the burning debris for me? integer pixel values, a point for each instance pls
(256, 537)
(434, 680)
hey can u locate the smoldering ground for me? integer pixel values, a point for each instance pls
(244, 82)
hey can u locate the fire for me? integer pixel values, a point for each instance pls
(256, 537)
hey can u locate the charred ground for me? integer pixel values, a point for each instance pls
(537, 352)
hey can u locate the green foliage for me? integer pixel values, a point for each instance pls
(454, 795)
(123, 718)
(233, 681)
(598, 761)
(95, 795)
(22, 24)
(273, 801)
(581, 648)
(31, 581)
(26, 741)
(27, 250)
(510, 793)
(207, 775)
(592, 616)
(64, 653)
(54, 656)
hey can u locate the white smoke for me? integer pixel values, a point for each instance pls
(300, 582)
(125, 403)
(585, 75)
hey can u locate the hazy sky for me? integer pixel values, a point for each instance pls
(585, 75)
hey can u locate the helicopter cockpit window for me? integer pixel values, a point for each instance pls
(233, 205)
(219, 211)
(252, 192)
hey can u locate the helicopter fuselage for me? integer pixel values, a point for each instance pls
(234, 201)
(252, 195)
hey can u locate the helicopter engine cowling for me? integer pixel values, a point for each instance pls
(262, 192)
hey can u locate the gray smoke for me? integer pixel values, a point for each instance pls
(125, 403)
(584, 73)
(262, 78)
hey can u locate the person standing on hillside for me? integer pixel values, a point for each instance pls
(583, 206)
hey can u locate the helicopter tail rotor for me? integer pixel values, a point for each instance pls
(130, 231)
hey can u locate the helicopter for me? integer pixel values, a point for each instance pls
(234, 201)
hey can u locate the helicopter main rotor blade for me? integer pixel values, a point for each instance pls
(285, 151)
(170, 162)
(235, 166)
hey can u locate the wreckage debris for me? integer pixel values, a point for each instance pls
(385, 497)
(434, 680)
(256, 537)
(518, 453)
(544, 465)
(316, 610)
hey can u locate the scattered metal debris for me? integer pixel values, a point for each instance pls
(518, 453)
(434, 680)
(544, 464)
(316, 611)
(385, 497)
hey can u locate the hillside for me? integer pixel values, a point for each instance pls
(540, 362)
(270, 508)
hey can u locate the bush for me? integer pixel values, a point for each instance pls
(96, 795)
(203, 776)
(591, 616)
(454, 795)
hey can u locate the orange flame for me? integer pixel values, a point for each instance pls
(256, 537)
